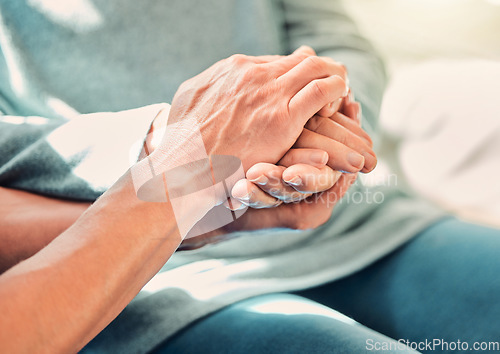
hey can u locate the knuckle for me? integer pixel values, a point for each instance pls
(337, 67)
(303, 56)
(307, 50)
(315, 63)
(343, 70)
(319, 89)
(238, 59)
(302, 224)
(184, 86)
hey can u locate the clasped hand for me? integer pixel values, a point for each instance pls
(295, 127)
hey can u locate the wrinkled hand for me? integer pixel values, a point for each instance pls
(302, 171)
(301, 189)
(254, 108)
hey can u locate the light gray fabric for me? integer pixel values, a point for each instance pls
(110, 55)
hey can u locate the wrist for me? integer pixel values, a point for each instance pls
(180, 172)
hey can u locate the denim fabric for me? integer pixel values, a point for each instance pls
(442, 285)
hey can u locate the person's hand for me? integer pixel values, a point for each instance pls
(248, 107)
(268, 186)
(305, 166)
(306, 214)
(302, 171)
(255, 109)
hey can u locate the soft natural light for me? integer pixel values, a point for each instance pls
(297, 307)
(77, 15)
(61, 107)
(97, 158)
(12, 60)
(205, 279)
(17, 120)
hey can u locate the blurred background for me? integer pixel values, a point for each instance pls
(411, 31)
(440, 118)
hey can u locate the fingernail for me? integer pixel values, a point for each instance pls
(295, 181)
(235, 205)
(319, 157)
(240, 207)
(360, 113)
(356, 160)
(245, 198)
(262, 180)
(369, 158)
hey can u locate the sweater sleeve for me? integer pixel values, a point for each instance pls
(78, 158)
(325, 26)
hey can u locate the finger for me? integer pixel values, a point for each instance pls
(313, 157)
(284, 64)
(308, 179)
(359, 114)
(337, 132)
(263, 59)
(319, 206)
(341, 157)
(314, 96)
(268, 177)
(353, 126)
(311, 68)
(249, 194)
(337, 192)
(331, 108)
(351, 108)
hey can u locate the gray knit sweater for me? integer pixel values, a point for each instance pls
(61, 59)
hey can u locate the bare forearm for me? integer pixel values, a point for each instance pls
(29, 222)
(64, 295)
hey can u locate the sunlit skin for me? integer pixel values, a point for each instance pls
(40, 297)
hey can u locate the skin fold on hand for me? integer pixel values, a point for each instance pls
(319, 189)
